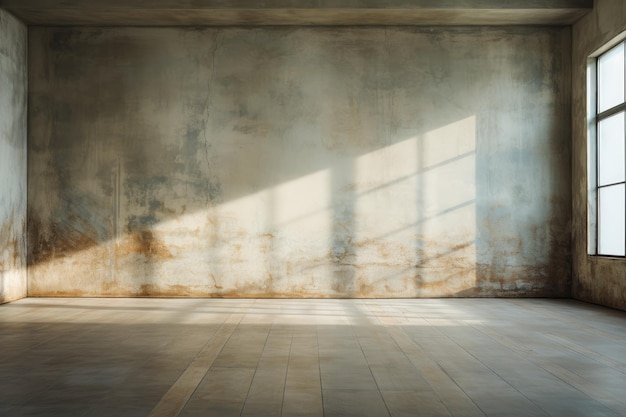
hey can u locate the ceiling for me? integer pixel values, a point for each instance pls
(296, 12)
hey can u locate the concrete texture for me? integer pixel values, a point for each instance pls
(297, 12)
(13, 79)
(595, 279)
(299, 162)
(311, 358)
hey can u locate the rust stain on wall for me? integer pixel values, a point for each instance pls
(54, 240)
(143, 242)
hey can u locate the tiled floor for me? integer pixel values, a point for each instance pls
(208, 357)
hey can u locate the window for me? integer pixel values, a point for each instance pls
(609, 123)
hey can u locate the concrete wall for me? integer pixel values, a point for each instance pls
(355, 162)
(13, 78)
(595, 279)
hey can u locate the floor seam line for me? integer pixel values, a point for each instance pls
(243, 406)
(165, 408)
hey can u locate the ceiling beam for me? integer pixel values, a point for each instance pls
(297, 12)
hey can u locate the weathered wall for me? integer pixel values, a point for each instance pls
(13, 78)
(299, 162)
(597, 279)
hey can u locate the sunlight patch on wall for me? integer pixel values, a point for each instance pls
(270, 242)
(398, 221)
(416, 205)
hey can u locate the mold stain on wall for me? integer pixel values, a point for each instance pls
(299, 162)
(11, 254)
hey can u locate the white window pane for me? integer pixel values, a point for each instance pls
(611, 78)
(611, 162)
(611, 227)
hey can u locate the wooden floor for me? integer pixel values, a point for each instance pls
(210, 357)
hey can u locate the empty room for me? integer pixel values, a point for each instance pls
(381, 208)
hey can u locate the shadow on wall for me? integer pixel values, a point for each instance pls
(304, 162)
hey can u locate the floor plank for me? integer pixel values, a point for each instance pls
(264, 357)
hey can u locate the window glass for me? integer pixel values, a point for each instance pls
(607, 172)
(612, 168)
(611, 78)
(611, 220)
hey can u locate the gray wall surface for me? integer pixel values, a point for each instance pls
(300, 162)
(13, 78)
(595, 279)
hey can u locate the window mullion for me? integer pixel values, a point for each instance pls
(611, 112)
(597, 150)
(610, 184)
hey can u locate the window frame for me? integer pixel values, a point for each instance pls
(595, 117)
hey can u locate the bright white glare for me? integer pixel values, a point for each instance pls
(611, 78)
(611, 240)
(611, 150)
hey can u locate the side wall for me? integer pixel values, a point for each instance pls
(595, 279)
(13, 78)
(300, 162)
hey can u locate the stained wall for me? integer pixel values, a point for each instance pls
(299, 162)
(13, 85)
(596, 279)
